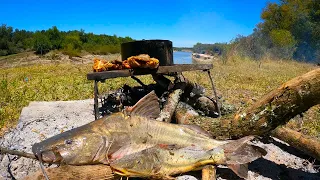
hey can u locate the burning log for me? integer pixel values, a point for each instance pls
(185, 114)
(170, 106)
(194, 96)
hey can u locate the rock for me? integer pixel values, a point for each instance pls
(38, 121)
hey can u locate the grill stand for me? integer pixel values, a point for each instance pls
(165, 70)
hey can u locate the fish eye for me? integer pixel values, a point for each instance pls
(68, 141)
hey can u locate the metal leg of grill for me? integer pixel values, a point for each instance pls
(96, 103)
(214, 92)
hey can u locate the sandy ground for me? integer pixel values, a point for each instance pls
(41, 120)
(29, 58)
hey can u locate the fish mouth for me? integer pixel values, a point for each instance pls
(51, 156)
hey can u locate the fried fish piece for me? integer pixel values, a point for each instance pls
(102, 65)
(143, 61)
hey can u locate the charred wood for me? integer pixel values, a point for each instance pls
(170, 106)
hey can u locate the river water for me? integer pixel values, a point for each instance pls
(180, 57)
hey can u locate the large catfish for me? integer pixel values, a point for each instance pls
(121, 134)
(131, 130)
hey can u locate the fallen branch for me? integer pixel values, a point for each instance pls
(275, 109)
(297, 140)
(279, 106)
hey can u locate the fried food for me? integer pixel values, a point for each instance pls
(103, 65)
(140, 61)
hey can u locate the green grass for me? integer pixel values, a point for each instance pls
(54, 82)
(240, 82)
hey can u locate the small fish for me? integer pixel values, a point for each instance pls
(164, 161)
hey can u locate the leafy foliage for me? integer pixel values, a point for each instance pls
(70, 42)
(290, 30)
(293, 26)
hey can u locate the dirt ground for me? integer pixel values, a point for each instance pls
(41, 120)
(30, 58)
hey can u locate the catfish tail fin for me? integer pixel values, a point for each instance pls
(238, 154)
(239, 169)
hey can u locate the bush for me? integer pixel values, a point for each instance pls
(3, 52)
(103, 50)
(71, 52)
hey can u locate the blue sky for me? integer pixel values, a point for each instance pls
(183, 22)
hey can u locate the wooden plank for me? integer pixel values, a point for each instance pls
(99, 76)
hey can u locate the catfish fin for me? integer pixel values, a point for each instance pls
(239, 169)
(244, 154)
(148, 107)
(198, 129)
(236, 144)
(238, 153)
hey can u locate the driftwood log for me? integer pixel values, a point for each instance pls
(97, 172)
(299, 141)
(276, 108)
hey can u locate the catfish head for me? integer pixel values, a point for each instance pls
(94, 142)
(75, 147)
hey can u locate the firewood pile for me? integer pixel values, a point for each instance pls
(184, 103)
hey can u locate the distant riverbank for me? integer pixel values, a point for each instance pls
(183, 50)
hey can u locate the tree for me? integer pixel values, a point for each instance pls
(55, 37)
(41, 43)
